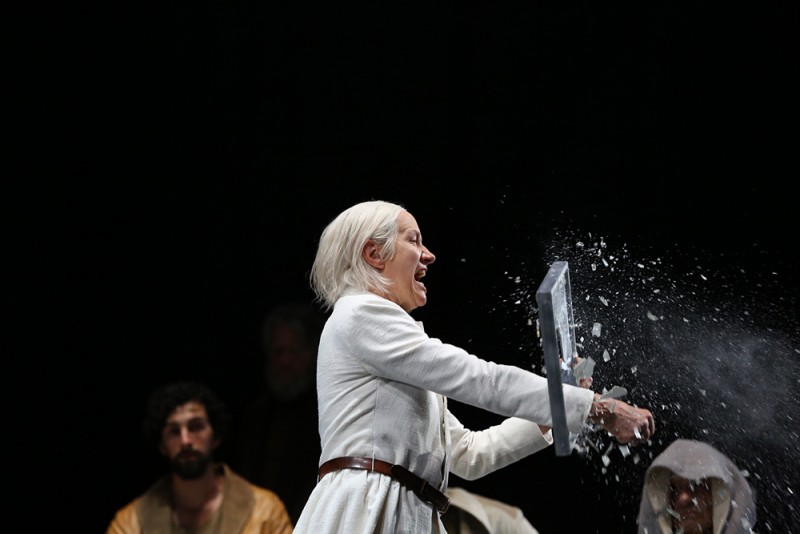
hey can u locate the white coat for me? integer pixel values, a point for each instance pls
(382, 387)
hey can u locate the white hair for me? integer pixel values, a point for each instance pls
(339, 265)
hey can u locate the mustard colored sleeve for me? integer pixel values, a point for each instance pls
(126, 521)
(269, 514)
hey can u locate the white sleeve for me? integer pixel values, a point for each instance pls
(390, 344)
(477, 453)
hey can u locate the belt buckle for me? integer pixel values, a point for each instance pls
(432, 496)
(422, 488)
(446, 506)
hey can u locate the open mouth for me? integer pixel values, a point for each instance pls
(418, 276)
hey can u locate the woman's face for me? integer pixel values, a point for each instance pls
(408, 266)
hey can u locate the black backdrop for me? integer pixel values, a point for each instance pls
(175, 164)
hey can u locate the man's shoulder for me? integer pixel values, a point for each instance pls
(262, 494)
(269, 508)
(239, 484)
(260, 505)
(129, 517)
(126, 519)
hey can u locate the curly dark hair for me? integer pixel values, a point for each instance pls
(166, 398)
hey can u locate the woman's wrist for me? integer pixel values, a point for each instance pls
(601, 409)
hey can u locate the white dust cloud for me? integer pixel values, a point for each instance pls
(709, 346)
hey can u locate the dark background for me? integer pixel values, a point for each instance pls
(174, 164)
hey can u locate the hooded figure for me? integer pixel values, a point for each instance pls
(690, 467)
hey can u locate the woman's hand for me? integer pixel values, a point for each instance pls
(626, 423)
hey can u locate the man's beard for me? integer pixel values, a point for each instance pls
(190, 464)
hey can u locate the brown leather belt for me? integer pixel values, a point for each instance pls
(418, 485)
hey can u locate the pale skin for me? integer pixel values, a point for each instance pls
(407, 267)
(194, 502)
(626, 423)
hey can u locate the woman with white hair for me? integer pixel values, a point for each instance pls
(388, 439)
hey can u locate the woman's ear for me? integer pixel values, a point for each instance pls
(371, 252)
